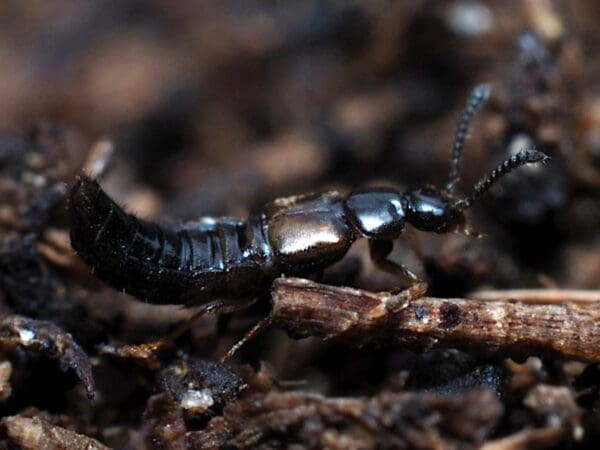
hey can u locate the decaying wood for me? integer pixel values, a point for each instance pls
(569, 330)
(302, 420)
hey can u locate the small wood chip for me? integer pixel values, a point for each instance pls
(34, 433)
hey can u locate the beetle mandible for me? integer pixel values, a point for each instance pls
(215, 261)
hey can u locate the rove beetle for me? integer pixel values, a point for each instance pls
(217, 262)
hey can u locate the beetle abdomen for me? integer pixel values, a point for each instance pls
(161, 263)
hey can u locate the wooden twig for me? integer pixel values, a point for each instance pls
(511, 328)
(541, 296)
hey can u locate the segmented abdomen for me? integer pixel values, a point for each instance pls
(161, 263)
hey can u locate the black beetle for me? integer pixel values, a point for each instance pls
(216, 260)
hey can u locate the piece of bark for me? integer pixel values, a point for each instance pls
(50, 340)
(33, 433)
(510, 328)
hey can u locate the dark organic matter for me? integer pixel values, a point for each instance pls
(48, 339)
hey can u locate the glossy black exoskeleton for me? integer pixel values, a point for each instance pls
(224, 258)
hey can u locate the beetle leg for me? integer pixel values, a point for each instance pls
(258, 328)
(223, 306)
(379, 250)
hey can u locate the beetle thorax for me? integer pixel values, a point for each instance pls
(376, 213)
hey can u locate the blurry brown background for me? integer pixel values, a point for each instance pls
(220, 106)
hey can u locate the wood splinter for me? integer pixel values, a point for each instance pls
(511, 328)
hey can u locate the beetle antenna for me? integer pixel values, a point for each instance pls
(478, 97)
(510, 164)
